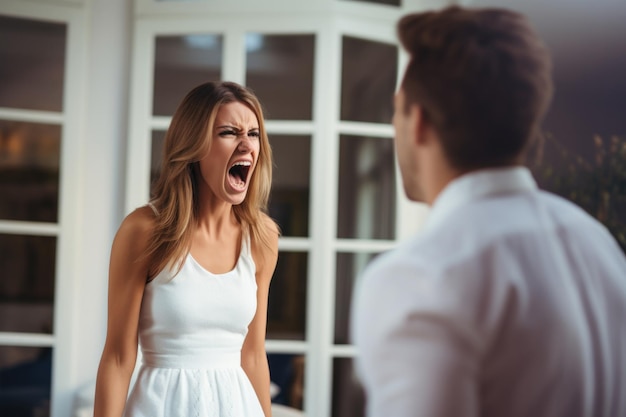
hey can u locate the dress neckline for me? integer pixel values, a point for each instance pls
(213, 274)
(243, 251)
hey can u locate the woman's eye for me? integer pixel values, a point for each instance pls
(254, 134)
(228, 133)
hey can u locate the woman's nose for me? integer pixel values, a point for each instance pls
(245, 144)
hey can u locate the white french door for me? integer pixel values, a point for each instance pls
(40, 50)
(325, 73)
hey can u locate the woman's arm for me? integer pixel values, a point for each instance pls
(253, 356)
(128, 271)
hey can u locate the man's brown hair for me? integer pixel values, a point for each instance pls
(482, 78)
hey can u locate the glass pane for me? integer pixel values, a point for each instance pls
(180, 64)
(32, 57)
(29, 171)
(25, 377)
(349, 267)
(287, 298)
(280, 71)
(287, 376)
(156, 156)
(27, 285)
(289, 202)
(368, 80)
(367, 190)
(348, 394)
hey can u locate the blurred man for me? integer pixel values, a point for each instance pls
(511, 301)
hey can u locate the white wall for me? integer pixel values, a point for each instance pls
(102, 168)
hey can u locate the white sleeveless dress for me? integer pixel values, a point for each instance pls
(191, 330)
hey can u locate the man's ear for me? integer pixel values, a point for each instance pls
(420, 123)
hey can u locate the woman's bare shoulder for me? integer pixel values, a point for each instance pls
(137, 227)
(273, 233)
(128, 252)
(271, 226)
(265, 253)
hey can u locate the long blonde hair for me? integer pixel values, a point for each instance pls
(175, 197)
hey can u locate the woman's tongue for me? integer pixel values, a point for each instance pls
(235, 180)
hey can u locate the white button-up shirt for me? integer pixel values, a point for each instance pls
(511, 302)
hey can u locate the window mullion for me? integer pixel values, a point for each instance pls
(234, 58)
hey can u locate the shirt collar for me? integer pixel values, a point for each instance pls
(476, 185)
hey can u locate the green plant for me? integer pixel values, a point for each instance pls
(598, 184)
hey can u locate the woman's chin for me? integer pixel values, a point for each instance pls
(236, 198)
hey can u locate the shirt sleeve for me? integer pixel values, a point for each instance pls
(417, 354)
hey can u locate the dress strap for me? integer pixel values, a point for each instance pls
(245, 243)
(156, 212)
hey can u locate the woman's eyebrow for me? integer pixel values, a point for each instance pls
(235, 127)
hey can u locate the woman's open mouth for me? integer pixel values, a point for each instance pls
(238, 174)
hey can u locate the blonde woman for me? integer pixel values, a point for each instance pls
(190, 272)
